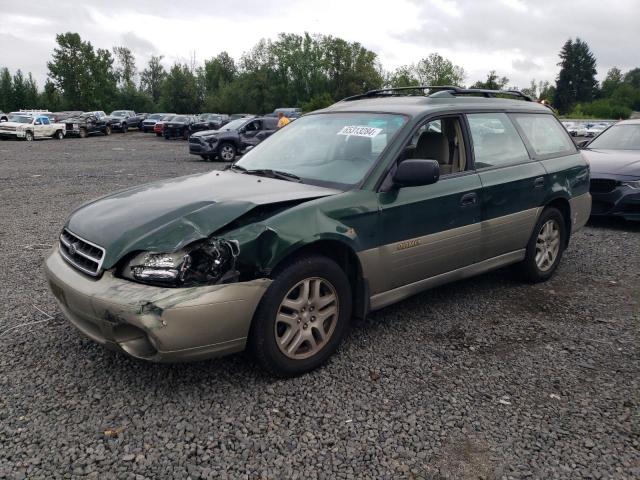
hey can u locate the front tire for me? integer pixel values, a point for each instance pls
(227, 152)
(107, 131)
(125, 128)
(302, 317)
(83, 133)
(59, 135)
(545, 247)
(28, 136)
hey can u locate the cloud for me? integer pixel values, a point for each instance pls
(517, 38)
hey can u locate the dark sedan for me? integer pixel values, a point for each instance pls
(614, 156)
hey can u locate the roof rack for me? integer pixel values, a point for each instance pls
(439, 91)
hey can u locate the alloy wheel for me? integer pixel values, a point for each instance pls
(227, 153)
(306, 318)
(547, 245)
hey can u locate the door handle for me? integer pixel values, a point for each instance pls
(538, 182)
(469, 199)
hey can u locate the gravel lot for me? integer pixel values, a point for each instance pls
(486, 378)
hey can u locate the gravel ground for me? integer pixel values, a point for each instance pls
(486, 378)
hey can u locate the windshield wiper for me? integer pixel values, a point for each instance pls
(267, 172)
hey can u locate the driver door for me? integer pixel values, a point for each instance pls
(248, 137)
(432, 229)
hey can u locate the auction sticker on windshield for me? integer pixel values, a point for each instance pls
(360, 131)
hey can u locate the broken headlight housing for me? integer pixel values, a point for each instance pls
(204, 263)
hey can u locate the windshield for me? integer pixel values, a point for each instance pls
(168, 117)
(20, 118)
(119, 113)
(154, 116)
(618, 137)
(335, 148)
(235, 124)
(179, 119)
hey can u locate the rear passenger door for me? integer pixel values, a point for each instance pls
(513, 184)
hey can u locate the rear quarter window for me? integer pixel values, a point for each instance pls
(545, 134)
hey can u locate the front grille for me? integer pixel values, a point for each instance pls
(195, 140)
(602, 185)
(69, 126)
(85, 256)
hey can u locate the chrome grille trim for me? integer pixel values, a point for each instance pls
(86, 257)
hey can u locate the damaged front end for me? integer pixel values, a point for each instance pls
(209, 262)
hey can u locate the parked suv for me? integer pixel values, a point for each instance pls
(344, 211)
(231, 139)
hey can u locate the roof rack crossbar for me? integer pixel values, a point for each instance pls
(451, 89)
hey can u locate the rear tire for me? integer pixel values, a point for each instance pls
(545, 247)
(302, 317)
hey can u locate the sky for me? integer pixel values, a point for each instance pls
(520, 39)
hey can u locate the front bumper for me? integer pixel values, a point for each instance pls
(200, 146)
(623, 201)
(154, 323)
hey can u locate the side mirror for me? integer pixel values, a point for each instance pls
(250, 147)
(414, 172)
(583, 143)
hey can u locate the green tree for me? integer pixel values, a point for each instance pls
(403, 76)
(32, 98)
(71, 70)
(125, 69)
(612, 81)
(437, 70)
(50, 97)
(217, 71)
(179, 91)
(19, 90)
(576, 81)
(493, 82)
(6, 90)
(632, 77)
(152, 78)
(104, 85)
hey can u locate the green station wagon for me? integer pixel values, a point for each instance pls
(344, 211)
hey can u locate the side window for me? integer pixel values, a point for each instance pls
(38, 121)
(45, 121)
(545, 134)
(496, 141)
(440, 140)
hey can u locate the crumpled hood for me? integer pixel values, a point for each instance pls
(614, 162)
(206, 133)
(167, 215)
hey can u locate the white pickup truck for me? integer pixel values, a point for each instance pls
(31, 127)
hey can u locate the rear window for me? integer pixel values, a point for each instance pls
(545, 134)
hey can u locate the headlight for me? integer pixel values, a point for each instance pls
(203, 263)
(632, 184)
